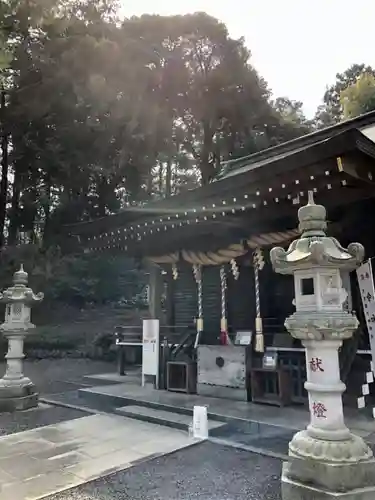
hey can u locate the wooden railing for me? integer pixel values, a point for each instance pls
(175, 341)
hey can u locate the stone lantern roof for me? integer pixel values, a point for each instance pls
(314, 248)
(20, 292)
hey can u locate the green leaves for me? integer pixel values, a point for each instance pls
(359, 97)
(332, 111)
(102, 114)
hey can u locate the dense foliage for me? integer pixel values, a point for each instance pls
(76, 281)
(100, 113)
(338, 97)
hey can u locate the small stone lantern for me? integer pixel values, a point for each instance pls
(326, 460)
(17, 392)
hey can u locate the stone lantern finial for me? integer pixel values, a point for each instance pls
(312, 218)
(20, 277)
(314, 248)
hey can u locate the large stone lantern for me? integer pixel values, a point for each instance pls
(326, 460)
(17, 392)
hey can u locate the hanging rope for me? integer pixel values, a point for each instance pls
(224, 337)
(197, 271)
(258, 262)
(174, 271)
(235, 269)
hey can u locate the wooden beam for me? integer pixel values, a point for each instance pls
(155, 291)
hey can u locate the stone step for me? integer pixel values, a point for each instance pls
(131, 376)
(162, 417)
(120, 395)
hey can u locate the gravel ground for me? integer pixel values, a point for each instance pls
(53, 376)
(205, 472)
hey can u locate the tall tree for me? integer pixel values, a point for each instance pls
(103, 114)
(4, 163)
(55, 121)
(205, 87)
(359, 97)
(331, 112)
(293, 123)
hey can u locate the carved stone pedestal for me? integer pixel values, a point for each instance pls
(320, 469)
(17, 392)
(314, 480)
(18, 396)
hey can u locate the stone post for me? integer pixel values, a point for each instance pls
(326, 460)
(17, 392)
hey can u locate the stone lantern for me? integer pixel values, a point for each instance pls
(326, 460)
(17, 392)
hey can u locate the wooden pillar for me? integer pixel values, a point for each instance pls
(170, 319)
(155, 291)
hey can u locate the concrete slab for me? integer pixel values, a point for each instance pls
(49, 459)
(114, 378)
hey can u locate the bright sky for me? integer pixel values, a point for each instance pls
(298, 46)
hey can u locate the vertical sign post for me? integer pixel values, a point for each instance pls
(150, 350)
(366, 287)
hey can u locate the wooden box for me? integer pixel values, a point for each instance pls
(279, 379)
(182, 377)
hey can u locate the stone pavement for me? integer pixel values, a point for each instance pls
(50, 459)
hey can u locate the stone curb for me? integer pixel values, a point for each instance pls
(249, 448)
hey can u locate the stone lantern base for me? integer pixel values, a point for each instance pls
(340, 475)
(17, 395)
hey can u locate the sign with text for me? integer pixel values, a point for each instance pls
(243, 338)
(150, 349)
(366, 286)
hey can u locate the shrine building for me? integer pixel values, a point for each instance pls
(209, 249)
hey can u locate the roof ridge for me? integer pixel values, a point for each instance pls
(358, 121)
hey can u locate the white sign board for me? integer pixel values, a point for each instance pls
(150, 349)
(243, 338)
(366, 286)
(200, 422)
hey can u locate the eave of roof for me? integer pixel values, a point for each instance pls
(248, 175)
(231, 167)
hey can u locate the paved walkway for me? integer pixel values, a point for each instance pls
(50, 459)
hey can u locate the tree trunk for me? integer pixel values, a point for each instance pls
(15, 209)
(168, 179)
(24, 57)
(161, 181)
(4, 167)
(149, 183)
(47, 214)
(207, 169)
